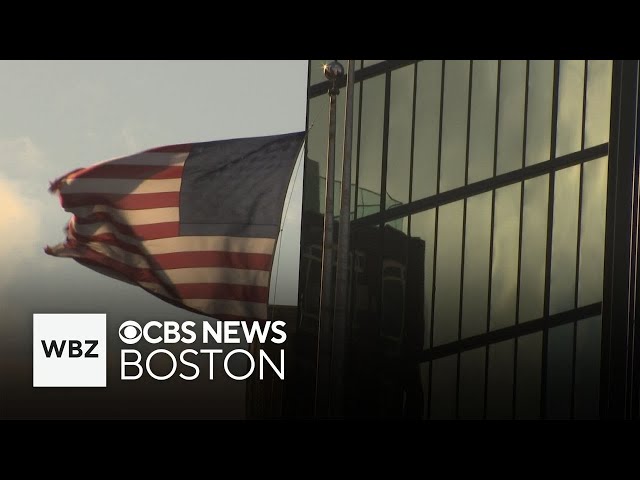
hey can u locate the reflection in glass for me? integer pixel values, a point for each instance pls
(423, 227)
(513, 78)
(565, 231)
(454, 124)
(427, 129)
(371, 137)
(539, 108)
(471, 403)
(534, 246)
(599, 74)
(594, 204)
(500, 381)
(559, 370)
(483, 113)
(504, 272)
(528, 376)
(394, 281)
(476, 265)
(570, 103)
(368, 63)
(443, 388)
(447, 298)
(399, 147)
(587, 387)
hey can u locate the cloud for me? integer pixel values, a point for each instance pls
(19, 229)
(19, 157)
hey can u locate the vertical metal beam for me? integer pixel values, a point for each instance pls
(619, 319)
(323, 374)
(342, 266)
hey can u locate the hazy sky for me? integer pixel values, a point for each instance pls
(60, 115)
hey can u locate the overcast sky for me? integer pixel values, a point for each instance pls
(60, 115)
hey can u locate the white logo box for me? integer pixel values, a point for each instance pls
(75, 359)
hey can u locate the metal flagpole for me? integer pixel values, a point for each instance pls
(342, 266)
(333, 71)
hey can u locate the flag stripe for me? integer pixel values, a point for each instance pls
(177, 270)
(236, 276)
(142, 232)
(131, 217)
(183, 244)
(119, 186)
(227, 291)
(126, 202)
(133, 171)
(221, 259)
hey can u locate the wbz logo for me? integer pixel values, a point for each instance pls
(69, 350)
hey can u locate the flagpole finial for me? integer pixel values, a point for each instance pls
(333, 71)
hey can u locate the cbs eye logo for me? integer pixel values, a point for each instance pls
(130, 332)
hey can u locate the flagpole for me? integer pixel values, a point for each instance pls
(332, 71)
(342, 266)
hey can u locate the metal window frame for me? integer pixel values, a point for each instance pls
(620, 369)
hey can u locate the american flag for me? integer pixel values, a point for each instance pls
(194, 224)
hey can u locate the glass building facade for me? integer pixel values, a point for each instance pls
(492, 240)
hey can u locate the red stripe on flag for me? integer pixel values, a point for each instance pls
(223, 291)
(250, 261)
(141, 232)
(146, 172)
(138, 201)
(137, 274)
(180, 148)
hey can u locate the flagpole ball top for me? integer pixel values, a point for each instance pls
(333, 70)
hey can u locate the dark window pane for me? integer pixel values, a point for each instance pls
(399, 149)
(500, 381)
(513, 77)
(565, 236)
(427, 128)
(354, 148)
(317, 153)
(424, 381)
(483, 113)
(539, 111)
(599, 74)
(528, 376)
(443, 388)
(594, 203)
(471, 404)
(447, 279)
(587, 386)
(454, 124)
(504, 273)
(422, 230)
(570, 102)
(559, 371)
(371, 133)
(534, 238)
(476, 265)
